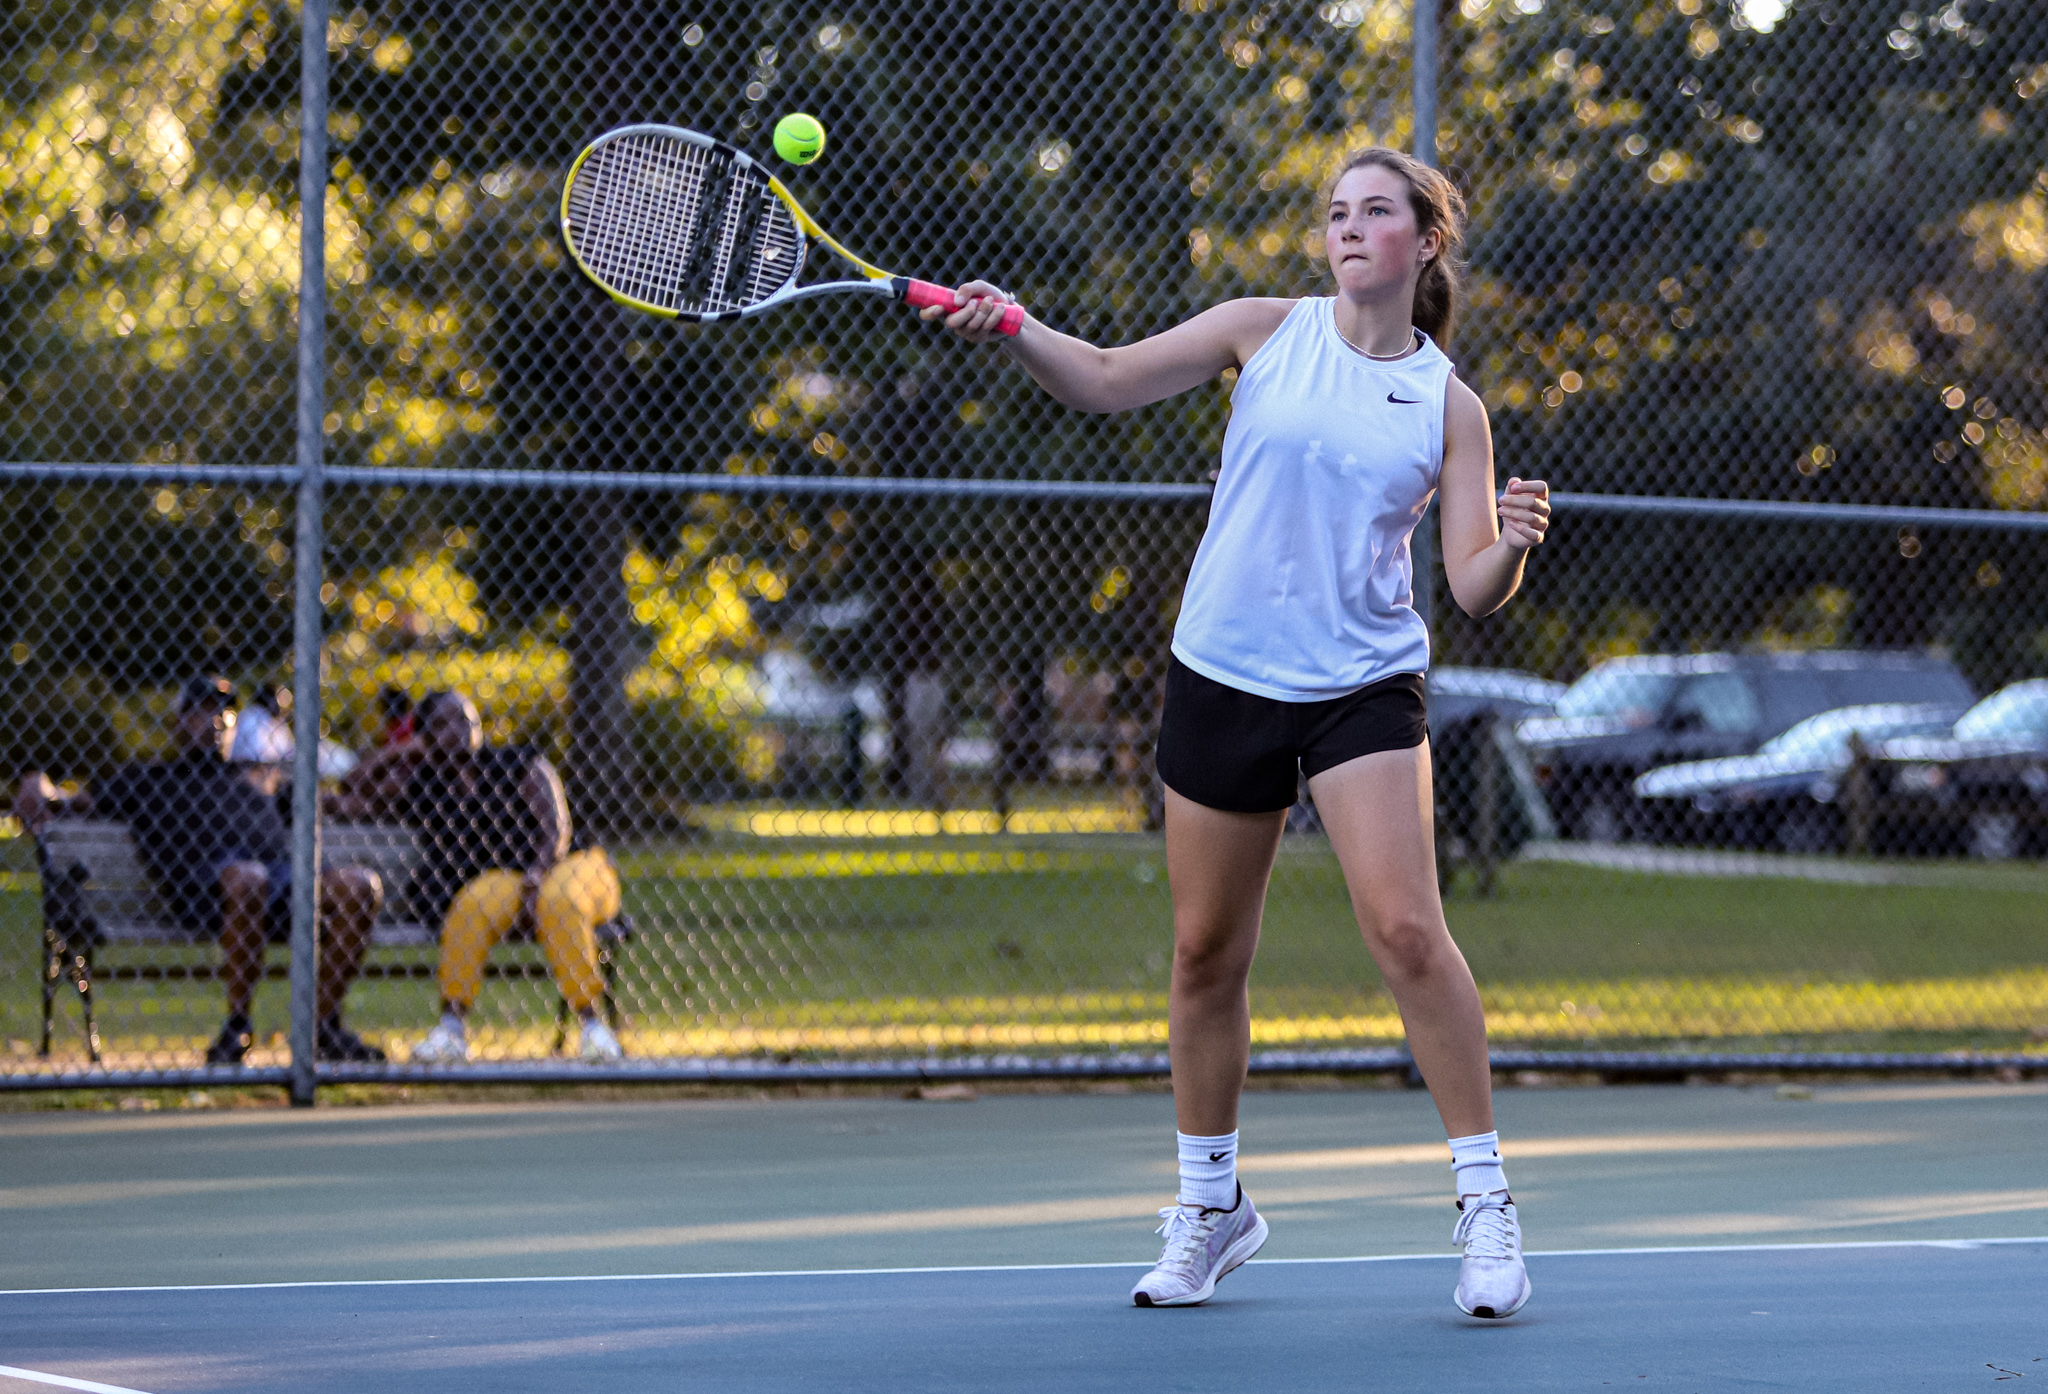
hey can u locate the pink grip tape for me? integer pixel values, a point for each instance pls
(919, 294)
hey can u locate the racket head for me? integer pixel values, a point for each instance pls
(675, 223)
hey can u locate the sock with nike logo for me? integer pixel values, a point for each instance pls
(1477, 1162)
(1208, 1171)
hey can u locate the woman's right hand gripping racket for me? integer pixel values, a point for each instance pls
(680, 225)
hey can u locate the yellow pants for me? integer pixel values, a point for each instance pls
(580, 893)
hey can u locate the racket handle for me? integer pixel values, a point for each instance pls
(919, 294)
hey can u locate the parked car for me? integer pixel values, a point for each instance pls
(1472, 716)
(1783, 796)
(2012, 721)
(1980, 788)
(1457, 693)
(1630, 715)
(1473, 711)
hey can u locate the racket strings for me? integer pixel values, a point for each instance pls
(680, 206)
(681, 227)
(741, 264)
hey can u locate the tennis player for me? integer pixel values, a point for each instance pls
(1298, 652)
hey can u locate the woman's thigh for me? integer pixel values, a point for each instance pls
(1379, 812)
(1218, 864)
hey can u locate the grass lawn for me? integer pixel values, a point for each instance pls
(991, 942)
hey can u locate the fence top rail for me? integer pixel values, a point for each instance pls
(610, 480)
(349, 476)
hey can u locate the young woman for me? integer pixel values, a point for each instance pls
(1299, 652)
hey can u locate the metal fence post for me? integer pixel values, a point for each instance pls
(1422, 64)
(1486, 803)
(306, 608)
(1422, 546)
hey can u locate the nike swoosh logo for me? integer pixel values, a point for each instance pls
(1403, 401)
(1218, 1156)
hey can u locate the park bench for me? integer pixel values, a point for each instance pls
(98, 903)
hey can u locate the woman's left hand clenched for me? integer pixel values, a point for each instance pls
(1524, 513)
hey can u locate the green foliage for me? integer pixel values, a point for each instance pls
(1715, 251)
(58, 724)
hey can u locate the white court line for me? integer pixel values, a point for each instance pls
(65, 1381)
(1012, 1267)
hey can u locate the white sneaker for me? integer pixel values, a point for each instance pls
(1202, 1246)
(600, 1046)
(446, 1044)
(1493, 1281)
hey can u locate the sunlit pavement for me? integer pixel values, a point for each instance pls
(725, 1185)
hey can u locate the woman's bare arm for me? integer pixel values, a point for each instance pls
(1087, 378)
(1485, 538)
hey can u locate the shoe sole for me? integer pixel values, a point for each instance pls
(1488, 1313)
(1233, 1257)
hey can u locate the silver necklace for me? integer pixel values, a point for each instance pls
(1377, 357)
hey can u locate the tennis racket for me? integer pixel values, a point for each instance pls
(680, 225)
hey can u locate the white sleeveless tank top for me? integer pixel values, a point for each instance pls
(1303, 587)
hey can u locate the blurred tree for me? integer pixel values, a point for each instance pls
(1733, 250)
(1718, 249)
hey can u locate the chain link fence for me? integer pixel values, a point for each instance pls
(831, 651)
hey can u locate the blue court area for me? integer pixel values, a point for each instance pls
(1853, 1317)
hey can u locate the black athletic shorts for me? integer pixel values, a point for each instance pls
(1242, 753)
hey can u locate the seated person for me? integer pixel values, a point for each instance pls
(395, 709)
(220, 855)
(262, 747)
(494, 824)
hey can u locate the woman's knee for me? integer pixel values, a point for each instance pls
(1405, 944)
(1211, 955)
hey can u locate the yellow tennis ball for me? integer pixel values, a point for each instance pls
(799, 138)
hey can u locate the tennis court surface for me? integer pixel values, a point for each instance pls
(1866, 1238)
(1936, 1316)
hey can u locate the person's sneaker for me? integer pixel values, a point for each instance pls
(335, 1042)
(1492, 1282)
(1201, 1247)
(600, 1045)
(233, 1042)
(446, 1044)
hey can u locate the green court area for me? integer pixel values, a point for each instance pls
(814, 947)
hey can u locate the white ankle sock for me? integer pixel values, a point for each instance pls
(1476, 1159)
(1208, 1170)
(456, 1024)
